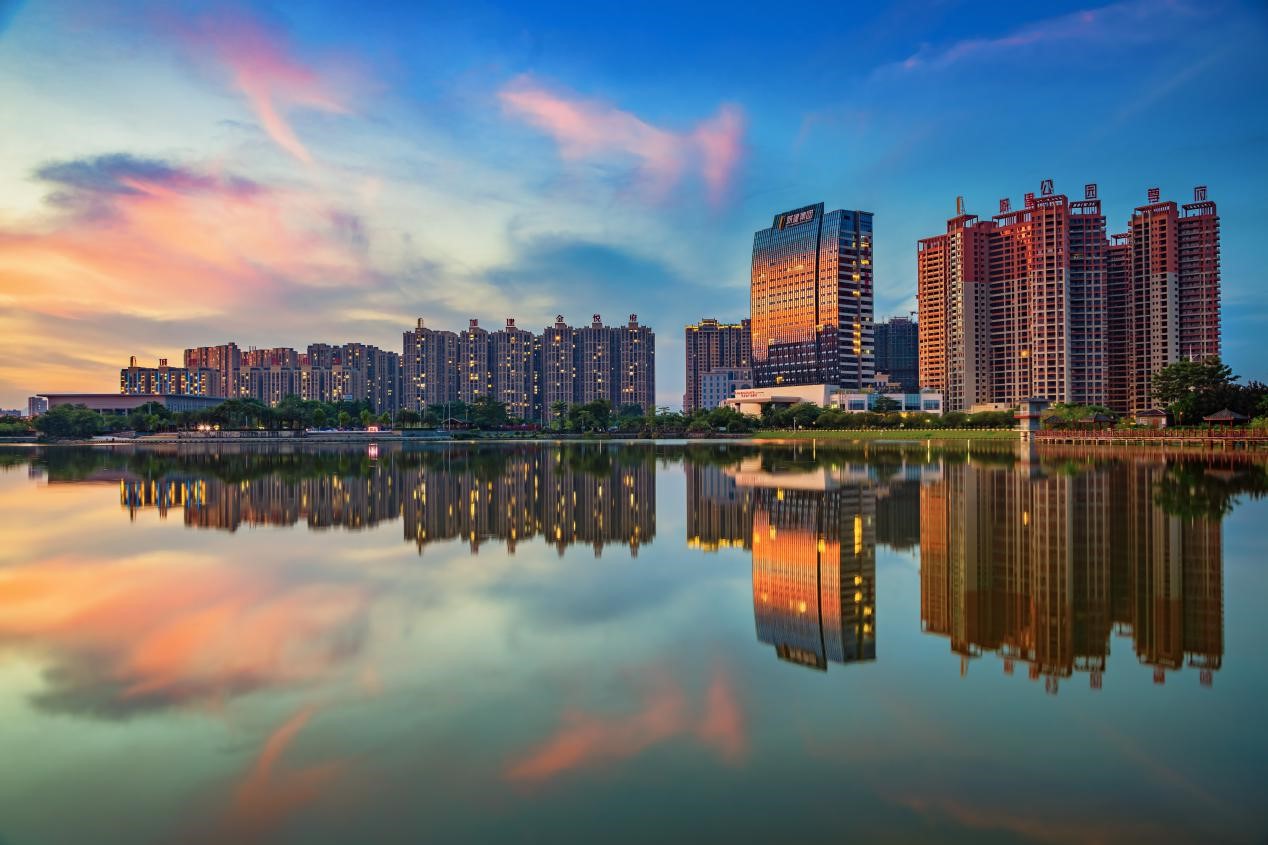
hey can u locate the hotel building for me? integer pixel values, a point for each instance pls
(811, 299)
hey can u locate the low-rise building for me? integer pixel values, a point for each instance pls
(751, 401)
(720, 384)
(124, 403)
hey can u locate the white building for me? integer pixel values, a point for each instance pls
(751, 401)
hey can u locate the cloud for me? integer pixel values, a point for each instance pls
(150, 238)
(584, 740)
(271, 791)
(263, 68)
(137, 634)
(90, 184)
(1116, 24)
(589, 130)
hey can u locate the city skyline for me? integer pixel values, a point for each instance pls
(277, 175)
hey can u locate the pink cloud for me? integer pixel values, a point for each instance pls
(592, 130)
(156, 241)
(263, 68)
(1112, 24)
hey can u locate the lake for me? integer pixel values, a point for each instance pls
(596, 642)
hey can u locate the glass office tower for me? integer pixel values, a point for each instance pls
(811, 299)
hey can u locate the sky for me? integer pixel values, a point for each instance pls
(176, 174)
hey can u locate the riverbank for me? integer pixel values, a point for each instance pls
(995, 434)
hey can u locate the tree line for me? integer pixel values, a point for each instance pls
(1188, 390)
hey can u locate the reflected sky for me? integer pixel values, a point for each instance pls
(573, 642)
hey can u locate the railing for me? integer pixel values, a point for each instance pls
(1160, 434)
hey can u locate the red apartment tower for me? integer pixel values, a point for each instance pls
(1038, 302)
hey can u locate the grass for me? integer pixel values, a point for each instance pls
(891, 434)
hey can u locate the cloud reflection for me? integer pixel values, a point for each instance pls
(585, 739)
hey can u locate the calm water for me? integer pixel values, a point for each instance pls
(630, 643)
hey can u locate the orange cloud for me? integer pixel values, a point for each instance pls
(127, 635)
(272, 80)
(586, 129)
(585, 739)
(152, 241)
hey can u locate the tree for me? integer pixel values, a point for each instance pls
(1192, 390)
(366, 417)
(885, 405)
(486, 413)
(319, 418)
(591, 416)
(558, 410)
(407, 418)
(344, 419)
(803, 414)
(70, 421)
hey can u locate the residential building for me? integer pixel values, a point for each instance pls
(429, 368)
(635, 366)
(225, 360)
(710, 346)
(1040, 302)
(514, 376)
(557, 365)
(475, 377)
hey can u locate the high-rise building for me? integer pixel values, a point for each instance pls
(475, 378)
(635, 366)
(712, 345)
(1037, 302)
(953, 290)
(383, 381)
(429, 368)
(225, 360)
(558, 367)
(164, 380)
(271, 375)
(514, 374)
(897, 352)
(595, 356)
(811, 299)
(1174, 289)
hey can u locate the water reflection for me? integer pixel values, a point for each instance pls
(580, 495)
(1042, 566)
(812, 527)
(312, 679)
(1036, 559)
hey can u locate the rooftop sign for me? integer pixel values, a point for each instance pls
(794, 218)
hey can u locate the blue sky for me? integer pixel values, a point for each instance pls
(278, 174)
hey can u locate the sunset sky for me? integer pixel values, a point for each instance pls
(176, 174)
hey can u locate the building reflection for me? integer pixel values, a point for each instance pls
(1041, 566)
(811, 527)
(579, 495)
